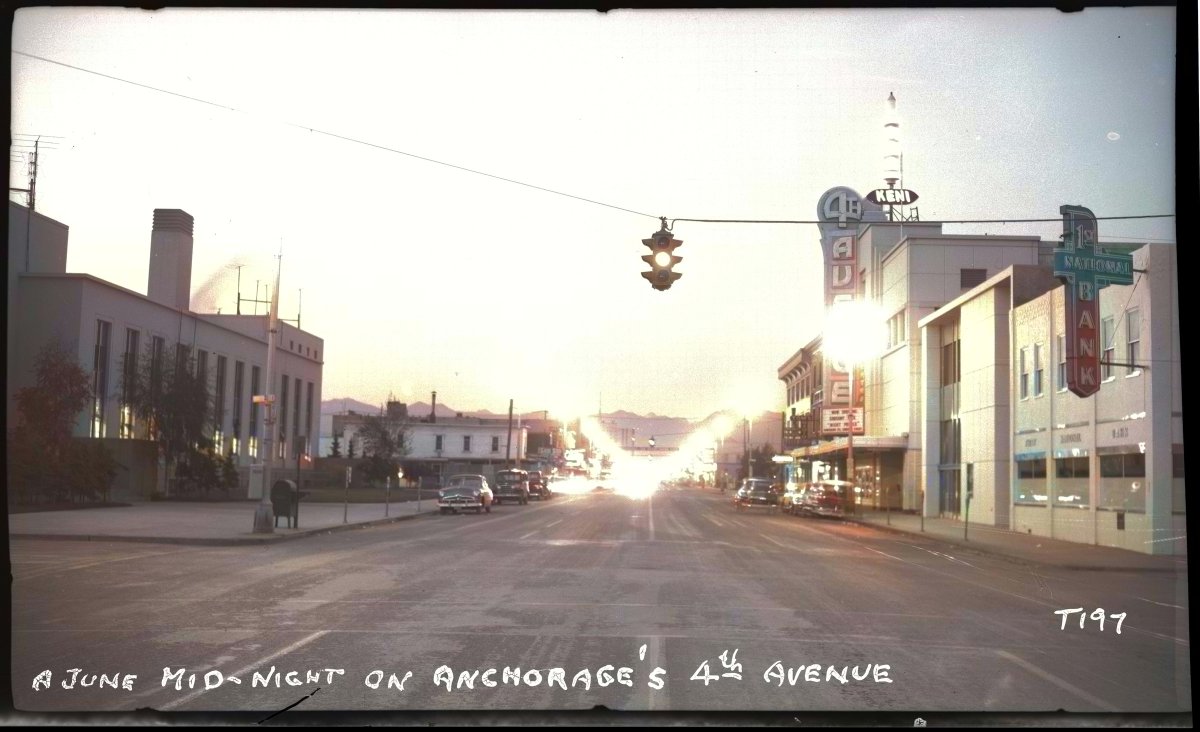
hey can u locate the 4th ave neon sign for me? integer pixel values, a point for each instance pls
(1085, 271)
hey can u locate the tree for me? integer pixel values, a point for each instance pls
(44, 460)
(165, 391)
(383, 441)
(336, 450)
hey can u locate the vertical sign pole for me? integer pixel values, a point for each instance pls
(387, 496)
(346, 496)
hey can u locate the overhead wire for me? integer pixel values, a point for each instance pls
(378, 146)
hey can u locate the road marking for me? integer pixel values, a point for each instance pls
(780, 543)
(252, 667)
(85, 565)
(554, 523)
(1152, 602)
(715, 522)
(531, 533)
(898, 559)
(1057, 681)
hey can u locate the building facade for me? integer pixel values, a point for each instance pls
(968, 395)
(111, 328)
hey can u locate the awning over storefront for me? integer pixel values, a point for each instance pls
(838, 444)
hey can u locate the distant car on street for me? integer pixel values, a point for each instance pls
(512, 485)
(793, 497)
(539, 486)
(757, 493)
(466, 492)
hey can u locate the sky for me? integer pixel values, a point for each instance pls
(316, 130)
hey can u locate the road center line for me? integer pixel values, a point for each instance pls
(554, 523)
(1066, 686)
(531, 533)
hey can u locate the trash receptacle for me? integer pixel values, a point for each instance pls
(285, 501)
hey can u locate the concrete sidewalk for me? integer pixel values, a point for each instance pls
(1024, 548)
(205, 524)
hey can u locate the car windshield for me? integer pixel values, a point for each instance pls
(465, 481)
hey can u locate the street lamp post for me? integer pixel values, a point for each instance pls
(264, 514)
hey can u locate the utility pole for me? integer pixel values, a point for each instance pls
(508, 446)
(239, 288)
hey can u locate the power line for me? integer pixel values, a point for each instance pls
(916, 223)
(542, 188)
(334, 134)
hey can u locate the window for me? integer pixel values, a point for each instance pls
(128, 382)
(1122, 483)
(951, 368)
(1133, 332)
(219, 405)
(495, 444)
(968, 278)
(1071, 481)
(255, 374)
(100, 377)
(1037, 369)
(239, 378)
(1024, 373)
(157, 348)
(437, 442)
(1107, 337)
(202, 367)
(1062, 363)
(308, 402)
(466, 443)
(283, 415)
(1031, 482)
(296, 415)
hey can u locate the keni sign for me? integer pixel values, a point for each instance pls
(1085, 270)
(892, 196)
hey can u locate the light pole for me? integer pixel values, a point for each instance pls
(264, 514)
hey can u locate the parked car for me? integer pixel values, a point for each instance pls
(539, 487)
(512, 485)
(793, 498)
(757, 492)
(826, 497)
(466, 492)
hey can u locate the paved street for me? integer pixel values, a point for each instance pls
(583, 582)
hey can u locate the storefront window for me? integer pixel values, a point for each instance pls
(1122, 484)
(1071, 481)
(1031, 483)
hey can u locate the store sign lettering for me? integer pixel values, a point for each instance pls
(1085, 271)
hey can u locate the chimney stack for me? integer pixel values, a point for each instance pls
(170, 281)
(433, 409)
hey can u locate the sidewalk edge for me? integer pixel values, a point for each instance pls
(1000, 554)
(265, 539)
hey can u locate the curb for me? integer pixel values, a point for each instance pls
(265, 539)
(999, 554)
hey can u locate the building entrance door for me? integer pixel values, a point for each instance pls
(948, 491)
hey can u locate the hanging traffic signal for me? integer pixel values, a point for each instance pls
(661, 258)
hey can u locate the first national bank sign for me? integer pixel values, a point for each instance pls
(1085, 270)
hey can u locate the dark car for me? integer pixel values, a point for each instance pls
(512, 485)
(468, 492)
(757, 493)
(539, 487)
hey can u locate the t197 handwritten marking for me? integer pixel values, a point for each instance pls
(1097, 614)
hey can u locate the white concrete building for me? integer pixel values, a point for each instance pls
(107, 324)
(1107, 469)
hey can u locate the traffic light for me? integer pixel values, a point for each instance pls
(661, 259)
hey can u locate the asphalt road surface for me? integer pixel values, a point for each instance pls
(581, 583)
